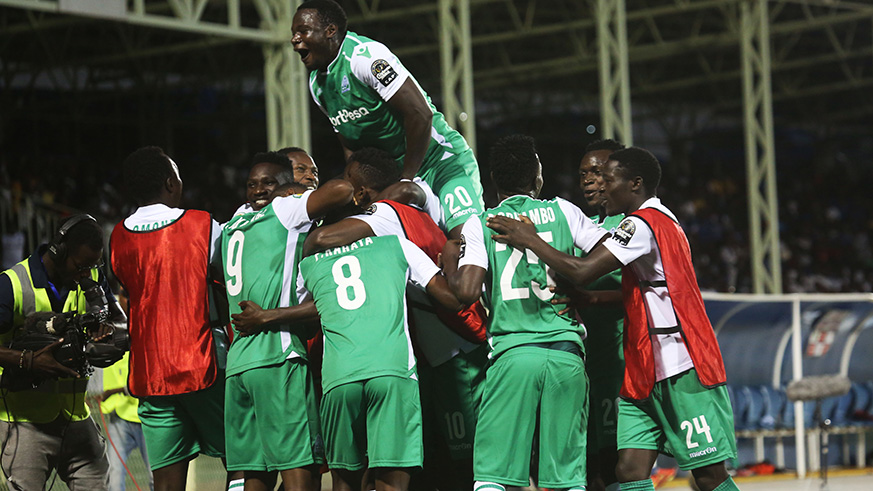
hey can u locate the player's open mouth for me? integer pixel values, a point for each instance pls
(262, 202)
(304, 53)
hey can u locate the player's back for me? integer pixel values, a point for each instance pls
(359, 292)
(518, 282)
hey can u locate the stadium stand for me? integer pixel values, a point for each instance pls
(757, 341)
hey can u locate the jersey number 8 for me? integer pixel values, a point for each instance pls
(351, 282)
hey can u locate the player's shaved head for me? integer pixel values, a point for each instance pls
(329, 12)
(375, 168)
(515, 165)
(634, 162)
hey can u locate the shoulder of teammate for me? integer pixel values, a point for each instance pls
(432, 202)
(375, 65)
(421, 268)
(586, 234)
(382, 219)
(473, 250)
(630, 240)
(292, 210)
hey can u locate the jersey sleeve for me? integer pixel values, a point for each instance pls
(432, 205)
(215, 243)
(421, 268)
(585, 233)
(382, 219)
(376, 66)
(631, 240)
(291, 210)
(473, 249)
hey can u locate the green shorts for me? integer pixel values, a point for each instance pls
(605, 379)
(457, 184)
(177, 428)
(525, 387)
(452, 392)
(683, 419)
(376, 420)
(272, 419)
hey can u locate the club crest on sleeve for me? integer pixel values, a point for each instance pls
(624, 232)
(383, 72)
(462, 247)
(370, 209)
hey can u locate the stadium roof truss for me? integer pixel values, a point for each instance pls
(805, 61)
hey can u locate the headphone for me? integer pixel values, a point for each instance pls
(58, 246)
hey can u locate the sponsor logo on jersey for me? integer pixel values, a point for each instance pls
(624, 232)
(383, 72)
(344, 115)
(462, 247)
(345, 87)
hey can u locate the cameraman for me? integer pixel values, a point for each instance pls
(44, 421)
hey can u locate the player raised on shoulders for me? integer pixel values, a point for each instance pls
(373, 101)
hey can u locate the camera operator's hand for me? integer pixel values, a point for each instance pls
(44, 365)
(252, 318)
(103, 332)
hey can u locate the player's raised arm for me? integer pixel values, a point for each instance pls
(417, 120)
(337, 234)
(465, 280)
(580, 271)
(330, 196)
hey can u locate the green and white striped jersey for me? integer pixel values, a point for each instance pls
(517, 282)
(261, 252)
(359, 290)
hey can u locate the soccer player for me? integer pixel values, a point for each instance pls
(371, 414)
(600, 309)
(537, 378)
(373, 101)
(272, 417)
(269, 171)
(453, 367)
(162, 255)
(673, 399)
(305, 170)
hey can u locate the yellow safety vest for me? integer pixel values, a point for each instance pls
(125, 406)
(64, 397)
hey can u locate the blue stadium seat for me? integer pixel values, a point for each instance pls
(868, 387)
(777, 405)
(829, 408)
(738, 401)
(841, 413)
(754, 407)
(771, 408)
(788, 413)
(862, 397)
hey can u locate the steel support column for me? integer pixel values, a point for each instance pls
(760, 154)
(615, 110)
(456, 65)
(286, 87)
